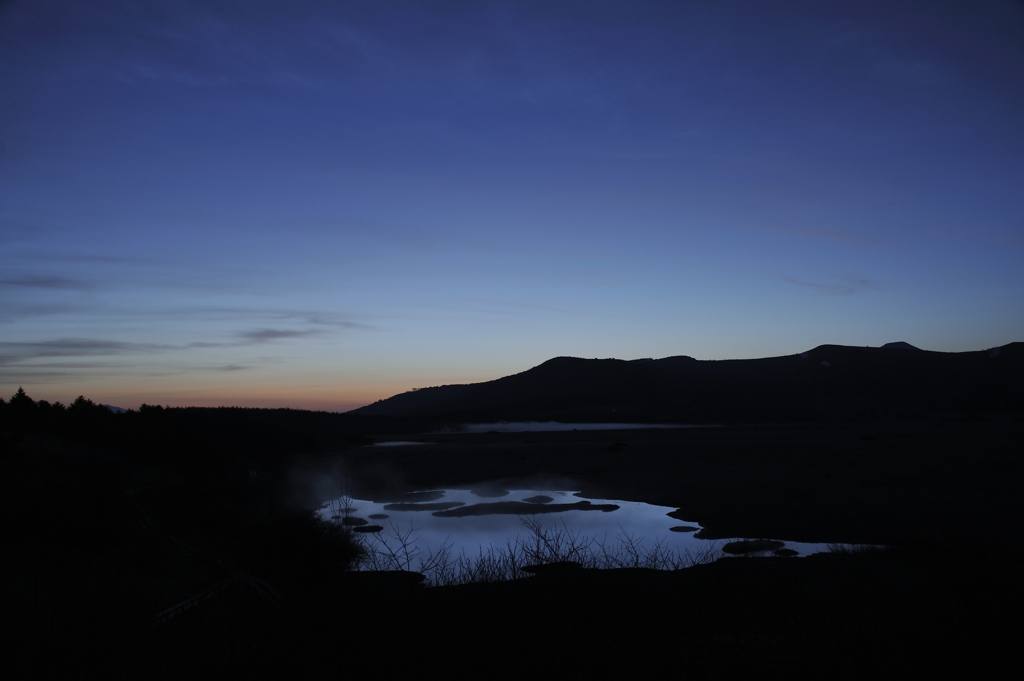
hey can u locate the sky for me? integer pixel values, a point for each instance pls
(322, 204)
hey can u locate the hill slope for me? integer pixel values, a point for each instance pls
(827, 382)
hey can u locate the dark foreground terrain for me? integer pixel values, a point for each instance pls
(105, 529)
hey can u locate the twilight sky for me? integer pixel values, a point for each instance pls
(319, 204)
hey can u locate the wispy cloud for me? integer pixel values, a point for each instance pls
(72, 347)
(14, 310)
(76, 365)
(25, 351)
(93, 259)
(230, 367)
(36, 376)
(44, 282)
(338, 323)
(268, 335)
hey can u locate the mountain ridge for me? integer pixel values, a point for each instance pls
(826, 381)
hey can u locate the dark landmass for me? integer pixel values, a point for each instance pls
(828, 382)
(539, 499)
(489, 492)
(900, 345)
(410, 497)
(171, 543)
(752, 546)
(439, 506)
(549, 568)
(522, 508)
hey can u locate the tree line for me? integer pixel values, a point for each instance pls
(192, 440)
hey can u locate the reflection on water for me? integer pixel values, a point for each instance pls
(450, 523)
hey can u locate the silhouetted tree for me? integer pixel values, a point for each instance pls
(81, 404)
(21, 402)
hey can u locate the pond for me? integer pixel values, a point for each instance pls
(458, 535)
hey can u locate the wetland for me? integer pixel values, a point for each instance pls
(211, 524)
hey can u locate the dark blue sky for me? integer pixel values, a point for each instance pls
(321, 204)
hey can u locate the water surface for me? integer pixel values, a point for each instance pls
(489, 519)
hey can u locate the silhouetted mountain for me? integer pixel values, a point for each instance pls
(416, 401)
(900, 345)
(830, 381)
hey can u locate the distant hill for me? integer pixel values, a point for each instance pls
(900, 345)
(830, 381)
